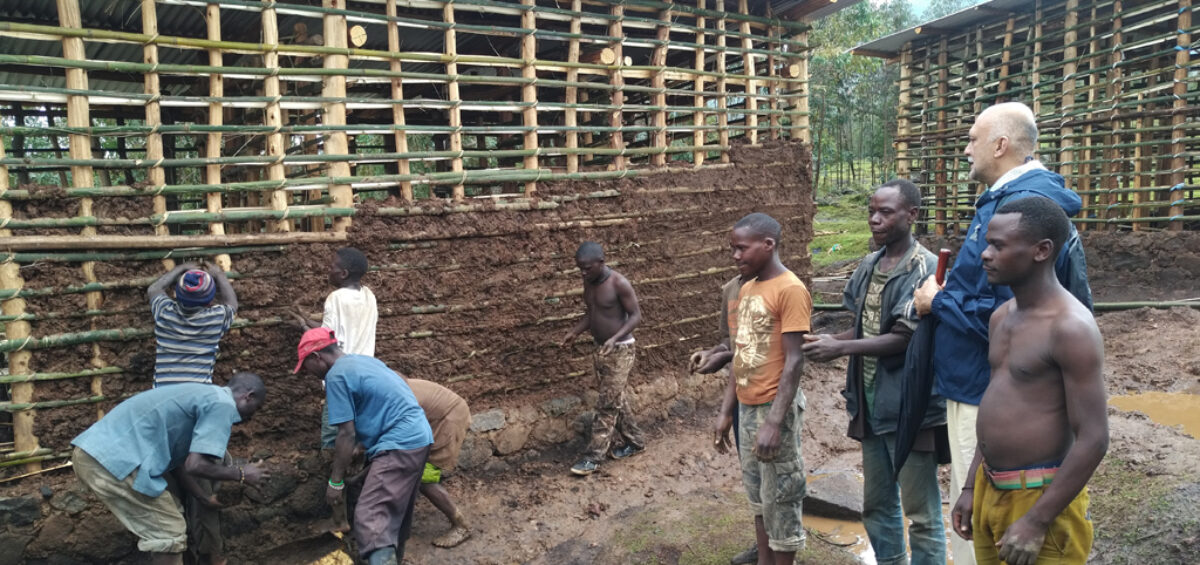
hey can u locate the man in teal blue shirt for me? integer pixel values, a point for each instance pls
(127, 457)
(370, 404)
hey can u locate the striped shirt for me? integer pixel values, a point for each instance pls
(186, 340)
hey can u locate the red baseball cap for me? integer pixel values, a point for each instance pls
(315, 339)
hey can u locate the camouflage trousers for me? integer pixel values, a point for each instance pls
(776, 488)
(613, 426)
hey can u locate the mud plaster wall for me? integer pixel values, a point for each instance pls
(1130, 266)
(476, 301)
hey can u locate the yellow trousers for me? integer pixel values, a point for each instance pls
(1068, 540)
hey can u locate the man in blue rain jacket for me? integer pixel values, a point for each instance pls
(1000, 148)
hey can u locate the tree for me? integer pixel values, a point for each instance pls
(853, 101)
(942, 8)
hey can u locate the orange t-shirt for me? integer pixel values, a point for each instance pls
(766, 311)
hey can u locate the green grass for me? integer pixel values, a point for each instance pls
(844, 218)
(1139, 515)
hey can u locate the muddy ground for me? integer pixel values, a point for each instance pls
(681, 502)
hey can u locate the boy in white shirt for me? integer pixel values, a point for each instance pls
(350, 310)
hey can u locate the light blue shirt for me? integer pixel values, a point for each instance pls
(154, 431)
(384, 409)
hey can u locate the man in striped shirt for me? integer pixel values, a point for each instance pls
(187, 331)
(188, 328)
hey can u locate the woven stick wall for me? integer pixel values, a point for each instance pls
(137, 132)
(1116, 89)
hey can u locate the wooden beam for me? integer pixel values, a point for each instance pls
(529, 93)
(722, 86)
(273, 117)
(18, 361)
(216, 117)
(154, 146)
(658, 58)
(571, 95)
(748, 69)
(450, 40)
(616, 115)
(398, 117)
(801, 128)
(337, 143)
(699, 118)
(1179, 122)
(1066, 142)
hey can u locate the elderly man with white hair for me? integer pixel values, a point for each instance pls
(1001, 148)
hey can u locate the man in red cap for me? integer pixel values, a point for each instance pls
(371, 405)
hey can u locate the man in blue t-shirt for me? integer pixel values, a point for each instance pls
(188, 329)
(127, 458)
(370, 404)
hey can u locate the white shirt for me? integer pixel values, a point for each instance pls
(1015, 173)
(352, 315)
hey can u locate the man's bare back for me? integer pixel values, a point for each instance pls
(606, 307)
(1024, 415)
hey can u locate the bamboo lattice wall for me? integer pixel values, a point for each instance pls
(145, 131)
(1115, 85)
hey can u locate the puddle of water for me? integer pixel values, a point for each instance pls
(853, 535)
(849, 535)
(1167, 408)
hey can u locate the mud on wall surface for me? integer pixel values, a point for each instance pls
(476, 301)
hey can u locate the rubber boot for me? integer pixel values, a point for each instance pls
(383, 556)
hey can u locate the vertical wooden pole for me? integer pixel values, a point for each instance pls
(79, 117)
(278, 198)
(398, 117)
(773, 84)
(334, 113)
(18, 361)
(748, 70)
(902, 113)
(722, 86)
(658, 59)
(699, 120)
(1179, 121)
(588, 138)
(1113, 164)
(617, 114)
(570, 117)
(1006, 56)
(450, 39)
(945, 197)
(1035, 78)
(1085, 182)
(529, 117)
(154, 145)
(1139, 169)
(801, 128)
(216, 117)
(1065, 152)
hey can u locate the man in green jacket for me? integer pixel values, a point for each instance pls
(880, 295)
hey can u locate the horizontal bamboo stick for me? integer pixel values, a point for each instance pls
(33, 377)
(180, 243)
(37, 459)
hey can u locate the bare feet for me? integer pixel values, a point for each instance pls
(453, 537)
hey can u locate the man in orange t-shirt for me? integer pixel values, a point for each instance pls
(767, 330)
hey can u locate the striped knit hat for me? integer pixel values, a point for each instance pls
(195, 288)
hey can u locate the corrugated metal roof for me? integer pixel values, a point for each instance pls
(187, 21)
(890, 46)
